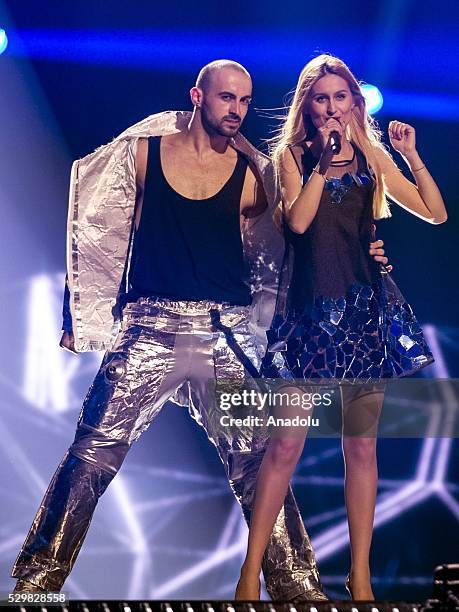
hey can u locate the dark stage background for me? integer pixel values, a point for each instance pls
(72, 77)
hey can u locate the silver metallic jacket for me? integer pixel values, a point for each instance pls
(100, 220)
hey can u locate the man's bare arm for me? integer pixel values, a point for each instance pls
(253, 200)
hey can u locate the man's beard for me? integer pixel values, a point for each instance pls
(218, 128)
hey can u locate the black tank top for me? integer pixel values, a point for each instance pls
(189, 249)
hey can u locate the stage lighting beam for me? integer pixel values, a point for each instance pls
(3, 41)
(373, 97)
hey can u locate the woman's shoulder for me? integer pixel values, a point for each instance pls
(299, 148)
(290, 158)
(376, 153)
(382, 156)
(296, 156)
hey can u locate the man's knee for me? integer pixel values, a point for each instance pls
(96, 448)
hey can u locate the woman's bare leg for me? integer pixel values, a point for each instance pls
(361, 410)
(273, 478)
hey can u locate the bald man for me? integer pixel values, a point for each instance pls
(163, 223)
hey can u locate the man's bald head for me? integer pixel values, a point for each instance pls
(210, 70)
(221, 97)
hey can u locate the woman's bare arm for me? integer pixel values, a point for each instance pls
(422, 198)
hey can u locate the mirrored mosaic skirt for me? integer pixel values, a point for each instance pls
(370, 333)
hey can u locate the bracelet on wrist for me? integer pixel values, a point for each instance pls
(418, 169)
(320, 174)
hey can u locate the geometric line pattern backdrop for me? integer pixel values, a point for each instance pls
(168, 526)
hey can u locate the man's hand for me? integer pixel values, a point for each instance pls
(68, 341)
(377, 252)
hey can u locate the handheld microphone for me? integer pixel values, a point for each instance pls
(335, 142)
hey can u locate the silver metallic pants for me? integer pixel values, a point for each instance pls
(165, 350)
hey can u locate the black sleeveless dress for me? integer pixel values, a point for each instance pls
(344, 317)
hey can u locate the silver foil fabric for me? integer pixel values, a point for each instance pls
(101, 211)
(164, 349)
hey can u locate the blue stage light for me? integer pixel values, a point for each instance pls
(373, 98)
(3, 41)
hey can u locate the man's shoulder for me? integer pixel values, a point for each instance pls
(259, 164)
(244, 146)
(158, 124)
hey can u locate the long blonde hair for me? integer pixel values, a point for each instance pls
(362, 129)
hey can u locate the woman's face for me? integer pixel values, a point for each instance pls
(330, 96)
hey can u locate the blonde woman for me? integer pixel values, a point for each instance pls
(346, 317)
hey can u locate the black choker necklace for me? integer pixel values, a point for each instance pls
(343, 162)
